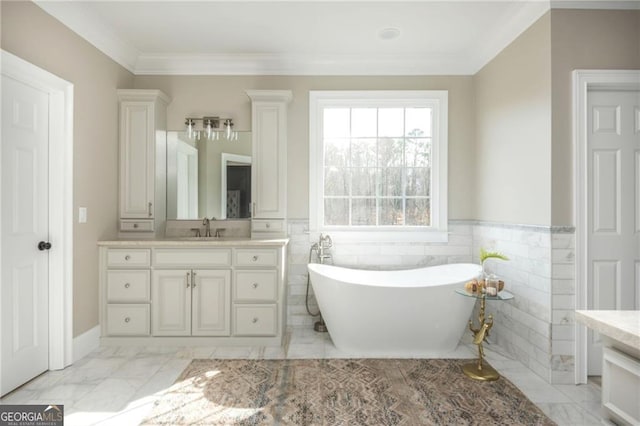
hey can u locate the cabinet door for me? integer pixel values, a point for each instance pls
(211, 303)
(269, 166)
(171, 303)
(137, 165)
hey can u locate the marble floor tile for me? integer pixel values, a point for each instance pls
(581, 393)
(140, 368)
(232, 352)
(67, 391)
(119, 385)
(569, 414)
(306, 351)
(112, 395)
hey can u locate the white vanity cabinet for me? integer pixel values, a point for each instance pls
(190, 302)
(183, 292)
(142, 160)
(269, 166)
(193, 300)
(255, 292)
(127, 294)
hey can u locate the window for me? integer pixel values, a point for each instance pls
(378, 165)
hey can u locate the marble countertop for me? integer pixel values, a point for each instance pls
(623, 326)
(195, 242)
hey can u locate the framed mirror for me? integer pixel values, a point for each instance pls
(208, 178)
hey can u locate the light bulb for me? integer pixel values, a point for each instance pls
(229, 128)
(189, 124)
(209, 129)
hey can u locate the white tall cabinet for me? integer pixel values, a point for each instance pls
(143, 129)
(269, 168)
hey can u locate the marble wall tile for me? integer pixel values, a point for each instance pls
(563, 332)
(566, 286)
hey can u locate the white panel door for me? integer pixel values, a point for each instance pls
(25, 268)
(171, 303)
(211, 303)
(614, 207)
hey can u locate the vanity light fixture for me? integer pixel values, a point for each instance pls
(211, 128)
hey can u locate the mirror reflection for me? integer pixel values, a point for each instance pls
(208, 178)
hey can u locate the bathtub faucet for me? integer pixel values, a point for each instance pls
(322, 246)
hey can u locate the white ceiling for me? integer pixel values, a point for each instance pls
(298, 37)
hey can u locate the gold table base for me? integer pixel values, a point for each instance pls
(486, 372)
(478, 370)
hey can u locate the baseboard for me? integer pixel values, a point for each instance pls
(85, 343)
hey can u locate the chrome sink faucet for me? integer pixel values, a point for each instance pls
(207, 227)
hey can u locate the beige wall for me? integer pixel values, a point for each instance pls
(513, 131)
(582, 39)
(221, 95)
(31, 34)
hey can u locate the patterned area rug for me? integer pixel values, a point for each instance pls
(340, 391)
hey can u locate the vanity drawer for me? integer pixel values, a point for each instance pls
(191, 258)
(128, 286)
(261, 225)
(255, 286)
(132, 258)
(256, 257)
(128, 320)
(128, 225)
(255, 320)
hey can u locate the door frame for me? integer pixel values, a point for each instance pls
(60, 201)
(583, 81)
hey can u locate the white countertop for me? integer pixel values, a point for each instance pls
(195, 242)
(623, 326)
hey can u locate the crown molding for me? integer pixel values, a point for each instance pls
(596, 4)
(267, 64)
(84, 22)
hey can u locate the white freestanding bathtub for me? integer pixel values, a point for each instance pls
(405, 313)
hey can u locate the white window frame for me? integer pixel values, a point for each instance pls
(435, 99)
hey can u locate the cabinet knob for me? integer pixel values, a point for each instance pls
(254, 320)
(255, 285)
(254, 258)
(135, 225)
(268, 225)
(127, 319)
(127, 285)
(127, 257)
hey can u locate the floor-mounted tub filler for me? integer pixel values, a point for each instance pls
(404, 313)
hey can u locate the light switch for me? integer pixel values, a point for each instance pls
(82, 215)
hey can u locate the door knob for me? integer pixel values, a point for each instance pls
(44, 245)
